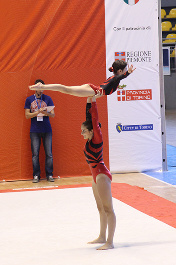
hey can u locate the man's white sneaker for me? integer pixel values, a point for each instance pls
(50, 178)
(36, 179)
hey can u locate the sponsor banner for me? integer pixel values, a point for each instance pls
(120, 127)
(132, 36)
(127, 95)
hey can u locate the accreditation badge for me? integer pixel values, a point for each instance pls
(40, 118)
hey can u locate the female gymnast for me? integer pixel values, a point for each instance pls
(89, 90)
(101, 184)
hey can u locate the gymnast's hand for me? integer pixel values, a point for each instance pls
(98, 95)
(38, 86)
(89, 99)
(130, 69)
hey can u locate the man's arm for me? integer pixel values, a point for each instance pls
(49, 114)
(30, 115)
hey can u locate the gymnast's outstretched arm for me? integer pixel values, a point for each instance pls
(88, 107)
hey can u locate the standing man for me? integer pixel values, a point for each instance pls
(37, 109)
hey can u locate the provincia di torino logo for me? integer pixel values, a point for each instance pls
(131, 2)
(129, 95)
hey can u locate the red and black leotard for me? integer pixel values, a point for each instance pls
(94, 148)
(110, 85)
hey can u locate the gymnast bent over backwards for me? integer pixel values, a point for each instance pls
(89, 90)
(101, 183)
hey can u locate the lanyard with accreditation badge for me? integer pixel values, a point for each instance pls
(39, 106)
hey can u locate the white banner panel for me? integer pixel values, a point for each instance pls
(134, 118)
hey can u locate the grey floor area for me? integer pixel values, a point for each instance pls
(171, 127)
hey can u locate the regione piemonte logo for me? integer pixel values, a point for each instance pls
(131, 2)
(120, 56)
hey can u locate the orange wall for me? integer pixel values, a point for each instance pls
(59, 42)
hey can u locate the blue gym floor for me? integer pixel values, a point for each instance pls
(170, 175)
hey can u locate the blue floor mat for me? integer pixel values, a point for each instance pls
(170, 175)
(171, 156)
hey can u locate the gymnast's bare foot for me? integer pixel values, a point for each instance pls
(98, 240)
(106, 246)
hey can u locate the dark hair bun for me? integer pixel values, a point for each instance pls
(110, 69)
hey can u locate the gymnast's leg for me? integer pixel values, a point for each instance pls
(79, 91)
(104, 191)
(103, 217)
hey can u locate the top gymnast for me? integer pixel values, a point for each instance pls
(89, 90)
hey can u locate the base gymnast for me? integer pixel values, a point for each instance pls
(101, 183)
(89, 90)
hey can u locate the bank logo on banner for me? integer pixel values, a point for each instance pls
(129, 128)
(131, 2)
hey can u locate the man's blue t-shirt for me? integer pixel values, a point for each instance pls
(39, 126)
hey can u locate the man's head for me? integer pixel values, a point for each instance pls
(39, 81)
(38, 93)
